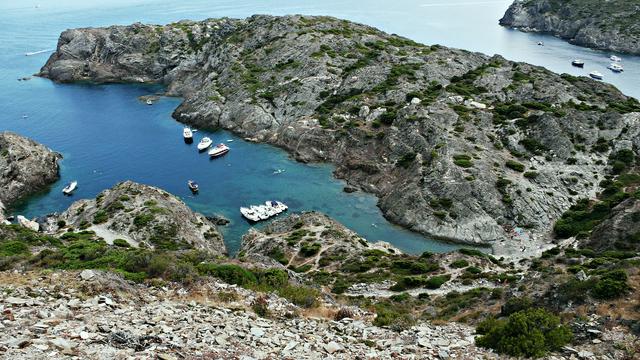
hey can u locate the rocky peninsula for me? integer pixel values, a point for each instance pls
(143, 215)
(457, 145)
(611, 25)
(25, 168)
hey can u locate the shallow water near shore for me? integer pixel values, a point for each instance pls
(107, 135)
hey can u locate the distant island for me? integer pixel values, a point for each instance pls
(607, 25)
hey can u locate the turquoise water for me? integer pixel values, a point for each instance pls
(106, 135)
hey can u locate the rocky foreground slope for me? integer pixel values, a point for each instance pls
(25, 167)
(610, 25)
(107, 280)
(84, 319)
(457, 145)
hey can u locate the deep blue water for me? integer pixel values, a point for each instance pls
(106, 135)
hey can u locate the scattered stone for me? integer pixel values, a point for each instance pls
(332, 347)
(87, 275)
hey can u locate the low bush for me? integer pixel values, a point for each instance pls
(515, 166)
(528, 333)
(459, 264)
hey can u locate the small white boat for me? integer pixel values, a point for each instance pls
(615, 58)
(187, 134)
(615, 67)
(596, 75)
(70, 188)
(193, 186)
(149, 102)
(540, 43)
(204, 143)
(219, 150)
(578, 63)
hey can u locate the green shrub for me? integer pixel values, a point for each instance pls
(528, 333)
(436, 282)
(309, 249)
(11, 248)
(514, 165)
(231, 274)
(463, 160)
(100, 217)
(300, 295)
(459, 264)
(142, 220)
(121, 243)
(395, 317)
(611, 285)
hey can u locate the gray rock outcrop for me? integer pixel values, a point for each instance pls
(142, 214)
(450, 166)
(25, 167)
(620, 231)
(299, 240)
(611, 25)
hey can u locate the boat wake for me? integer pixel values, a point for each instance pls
(38, 52)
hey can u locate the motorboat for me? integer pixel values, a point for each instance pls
(540, 43)
(578, 63)
(615, 58)
(70, 188)
(193, 186)
(187, 133)
(149, 102)
(615, 67)
(596, 75)
(204, 143)
(218, 150)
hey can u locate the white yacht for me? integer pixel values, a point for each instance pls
(219, 150)
(187, 133)
(149, 102)
(70, 188)
(596, 75)
(204, 143)
(615, 58)
(616, 67)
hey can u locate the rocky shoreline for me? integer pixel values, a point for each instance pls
(25, 168)
(457, 145)
(611, 26)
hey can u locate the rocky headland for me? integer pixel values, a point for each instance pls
(143, 215)
(611, 25)
(25, 168)
(457, 145)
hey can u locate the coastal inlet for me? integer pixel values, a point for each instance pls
(144, 144)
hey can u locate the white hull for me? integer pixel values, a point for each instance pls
(219, 150)
(187, 134)
(596, 75)
(204, 144)
(69, 189)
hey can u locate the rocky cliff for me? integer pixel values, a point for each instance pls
(612, 25)
(144, 216)
(25, 167)
(457, 145)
